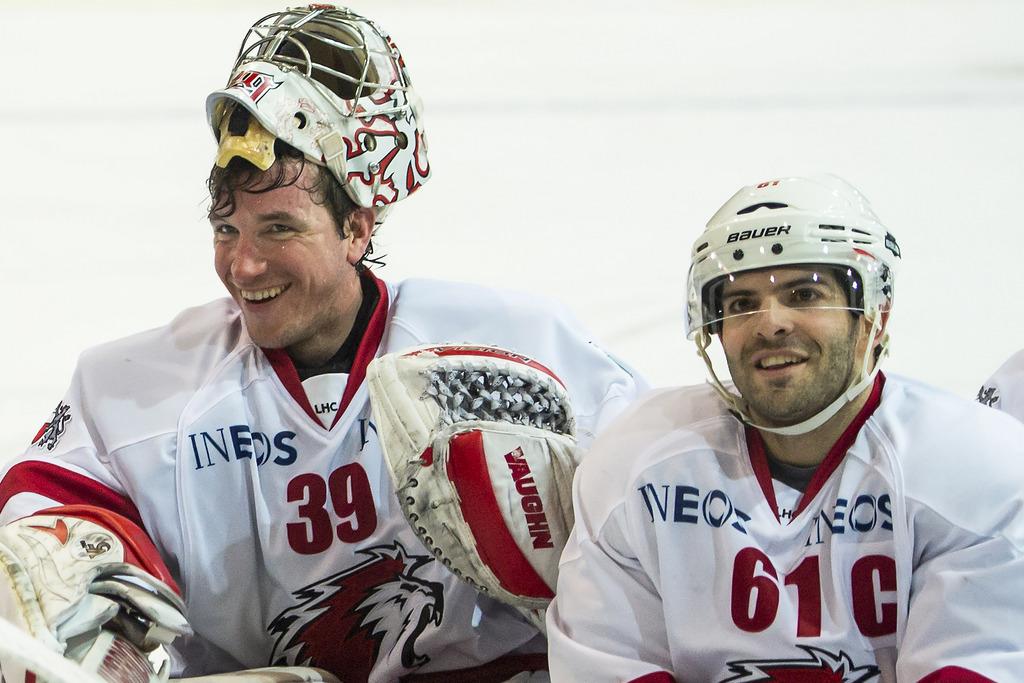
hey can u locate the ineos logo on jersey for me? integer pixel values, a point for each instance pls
(241, 442)
(759, 232)
(860, 514)
(686, 505)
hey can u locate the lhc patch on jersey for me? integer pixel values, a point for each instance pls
(345, 622)
(820, 666)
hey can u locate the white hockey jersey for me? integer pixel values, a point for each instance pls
(904, 559)
(284, 534)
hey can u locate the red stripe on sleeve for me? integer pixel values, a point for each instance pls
(65, 487)
(656, 677)
(955, 674)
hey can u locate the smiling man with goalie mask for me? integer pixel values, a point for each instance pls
(813, 517)
(227, 468)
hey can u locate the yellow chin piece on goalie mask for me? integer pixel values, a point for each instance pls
(256, 145)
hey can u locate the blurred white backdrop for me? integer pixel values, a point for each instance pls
(577, 147)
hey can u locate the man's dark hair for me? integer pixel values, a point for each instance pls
(241, 176)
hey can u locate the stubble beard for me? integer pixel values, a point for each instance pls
(790, 401)
(277, 332)
(303, 331)
(269, 336)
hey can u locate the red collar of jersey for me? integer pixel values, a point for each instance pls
(289, 376)
(759, 455)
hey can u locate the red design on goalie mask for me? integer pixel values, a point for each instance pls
(254, 84)
(378, 142)
(820, 666)
(348, 621)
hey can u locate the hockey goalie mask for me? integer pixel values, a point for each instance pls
(806, 237)
(334, 86)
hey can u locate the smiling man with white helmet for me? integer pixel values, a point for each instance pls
(812, 515)
(824, 222)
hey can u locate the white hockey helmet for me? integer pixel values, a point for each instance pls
(333, 85)
(814, 221)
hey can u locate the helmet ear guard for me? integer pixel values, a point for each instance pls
(820, 222)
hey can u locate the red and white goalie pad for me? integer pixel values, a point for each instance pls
(480, 445)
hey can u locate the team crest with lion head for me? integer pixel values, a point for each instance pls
(820, 666)
(376, 609)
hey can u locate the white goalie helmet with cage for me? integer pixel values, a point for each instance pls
(333, 85)
(821, 222)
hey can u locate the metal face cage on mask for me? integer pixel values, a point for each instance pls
(333, 85)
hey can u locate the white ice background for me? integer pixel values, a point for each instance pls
(578, 148)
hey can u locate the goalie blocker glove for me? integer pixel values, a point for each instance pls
(480, 445)
(90, 586)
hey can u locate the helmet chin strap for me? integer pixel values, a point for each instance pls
(739, 406)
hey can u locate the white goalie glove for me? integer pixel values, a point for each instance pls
(480, 445)
(68, 583)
